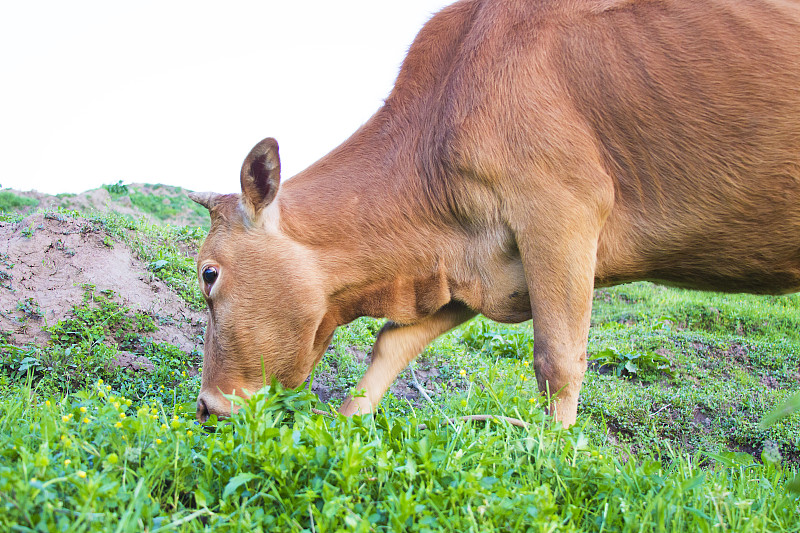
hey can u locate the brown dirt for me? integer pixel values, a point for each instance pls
(769, 382)
(93, 200)
(133, 362)
(738, 352)
(702, 419)
(45, 260)
(328, 386)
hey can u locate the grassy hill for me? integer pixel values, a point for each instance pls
(101, 327)
(163, 204)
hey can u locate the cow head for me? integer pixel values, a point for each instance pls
(266, 307)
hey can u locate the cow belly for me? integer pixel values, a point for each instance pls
(729, 273)
(715, 253)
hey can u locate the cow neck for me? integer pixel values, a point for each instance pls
(376, 239)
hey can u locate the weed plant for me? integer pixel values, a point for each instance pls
(116, 190)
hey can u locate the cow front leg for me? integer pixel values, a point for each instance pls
(558, 245)
(396, 346)
(561, 280)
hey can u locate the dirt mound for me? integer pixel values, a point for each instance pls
(47, 261)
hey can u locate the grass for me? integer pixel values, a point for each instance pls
(12, 202)
(78, 461)
(726, 368)
(83, 348)
(669, 435)
(160, 201)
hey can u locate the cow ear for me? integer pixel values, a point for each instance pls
(261, 176)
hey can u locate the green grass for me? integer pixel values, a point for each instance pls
(12, 202)
(116, 190)
(166, 206)
(95, 458)
(82, 348)
(669, 434)
(163, 202)
(730, 359)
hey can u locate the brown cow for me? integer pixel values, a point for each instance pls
(529, 151)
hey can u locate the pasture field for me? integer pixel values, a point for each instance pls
(97, 429)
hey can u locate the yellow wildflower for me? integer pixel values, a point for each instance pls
(81, 474)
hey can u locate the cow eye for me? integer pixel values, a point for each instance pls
(210, 275)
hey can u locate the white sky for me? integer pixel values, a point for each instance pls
(177, 92)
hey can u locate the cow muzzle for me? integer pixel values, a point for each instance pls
(208, 405)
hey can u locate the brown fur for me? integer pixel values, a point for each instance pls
(530, 150)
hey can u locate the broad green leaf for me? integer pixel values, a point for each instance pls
(793, 485)
(236, 482)
(790, 406)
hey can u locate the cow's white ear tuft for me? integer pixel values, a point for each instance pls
(261, 176)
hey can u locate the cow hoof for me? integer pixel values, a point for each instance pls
(355, 406)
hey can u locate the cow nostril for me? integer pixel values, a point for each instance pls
(202, 411)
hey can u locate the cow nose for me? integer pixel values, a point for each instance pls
(202, 410)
